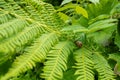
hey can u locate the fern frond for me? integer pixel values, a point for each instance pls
(12, 27)
(35, 53)
(13, 6)
(4, 5)
(56, 61)
(102, 67)
(34, 9)
(46, 12)
(84, 64)
(5, 17)
(10, 45)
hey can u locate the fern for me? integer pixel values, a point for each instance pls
(10, 45)
(103, 68)
(12, 27)
(32, 36)
(56, 61)
(35, 53)
(44, 9)
(5, 17)
(84, 65)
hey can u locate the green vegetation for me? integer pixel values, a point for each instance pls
(61, 40)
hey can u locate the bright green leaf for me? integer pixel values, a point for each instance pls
(82, 11)
(63, 16)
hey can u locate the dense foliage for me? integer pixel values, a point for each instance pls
(63, 40)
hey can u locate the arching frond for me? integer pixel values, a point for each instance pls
(35, 53)
(84, 64)
(56, 61)
(12, 27)
(102, 67)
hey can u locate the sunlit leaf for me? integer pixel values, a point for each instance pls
(63, 16)
(82, 11)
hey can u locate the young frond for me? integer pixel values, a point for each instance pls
(102, 67)
(56, 61)
(35, 53)
(84, 64)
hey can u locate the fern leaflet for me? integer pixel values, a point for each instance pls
(102, 67)
(84, 64)
(56, 61)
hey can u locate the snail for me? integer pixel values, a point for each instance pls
(78, 44)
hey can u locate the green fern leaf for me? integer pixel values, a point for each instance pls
(46, 12)
(5, 17)
(56, 61)
(102, 67)
(12, 6)
(12, 44)
(12, 27)
(35, 53)
(84, 64)
(4, 5)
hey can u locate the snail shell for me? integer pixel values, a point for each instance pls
(78, 44)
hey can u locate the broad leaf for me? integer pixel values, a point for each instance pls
(63, 16)
(80, 10)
